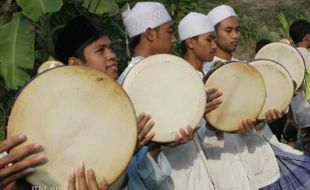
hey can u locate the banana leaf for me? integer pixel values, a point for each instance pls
(34, 9)
(16, 51)
(100, 7)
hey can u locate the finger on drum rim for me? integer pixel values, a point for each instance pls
(12, 142)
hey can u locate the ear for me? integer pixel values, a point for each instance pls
(189, 43)
(307, 37)
(74, 61)
(150, 34)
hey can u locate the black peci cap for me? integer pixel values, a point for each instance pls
(76, 33)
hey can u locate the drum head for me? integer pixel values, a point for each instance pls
(170, 90)
(279, 85)
(243, 96)
(287, 56)
(79, 115)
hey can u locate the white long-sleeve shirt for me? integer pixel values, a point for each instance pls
(238, 161)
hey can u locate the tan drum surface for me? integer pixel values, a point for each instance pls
(243, 96)
(287, 56)
(279, 85)
(170, 90)
(79, 115)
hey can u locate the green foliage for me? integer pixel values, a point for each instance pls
(27, 43)
(17, 51)
(287, 14)
(292, 13)
(100, 7)
(249, 32)
(34, 9)
(19, 60)
(285, 27)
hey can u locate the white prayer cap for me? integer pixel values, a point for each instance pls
(220, 13)
(145, 15)
(194, 24)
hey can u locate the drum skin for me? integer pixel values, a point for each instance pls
(78, 114)
(170, 90)
(287, 56)
(279, 85)
(243, 96)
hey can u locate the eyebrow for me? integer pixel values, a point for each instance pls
(230, 27)
(103, 46)
(211, 35)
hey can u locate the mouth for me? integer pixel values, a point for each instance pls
(234, 43)
(112, 66)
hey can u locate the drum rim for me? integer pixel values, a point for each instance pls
(261, 106)
(281, 66)
(165, 137)
(292, 48)
(38, 75)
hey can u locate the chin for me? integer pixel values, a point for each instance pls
(114, 76)
(233, 49)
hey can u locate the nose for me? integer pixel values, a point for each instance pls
(235, 34)
(111, 55)
(173, 40)
(213, 44)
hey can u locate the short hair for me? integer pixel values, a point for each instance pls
(217, 26)
(299, 29)
(261, 43)
(77, 34)
(183, 45)
(134, 41)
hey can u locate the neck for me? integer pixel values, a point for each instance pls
(142, 50)
(223, 54)
(302, 44)
(193, 60)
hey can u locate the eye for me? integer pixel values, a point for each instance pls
(112, 49)
(170, 31)
(100, 50)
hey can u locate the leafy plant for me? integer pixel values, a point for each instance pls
(28, 29)
(285, 27)
(34, 9)
(250, 32)
(17, 51)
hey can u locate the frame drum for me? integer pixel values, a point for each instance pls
(79, 115)
(170, 90)
(243, 96)
(287, 56)
(279, 85)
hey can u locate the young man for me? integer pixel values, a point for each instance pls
(188, 163)
(150, 29)
(242, 147)
(92, 47)
(149, 26)
(300, 34)
(258, 145)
